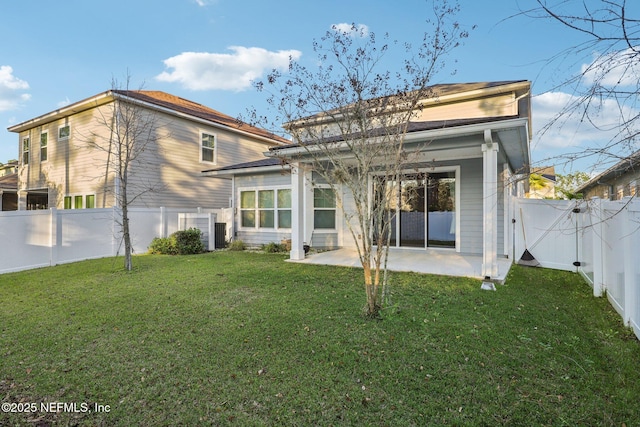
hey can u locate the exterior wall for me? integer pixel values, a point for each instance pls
(170, 167)
(268, 180)
(71, 167)
(617, 188)
(493, 106)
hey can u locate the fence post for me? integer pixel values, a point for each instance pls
(629, 266)
(163, 222)
(597, 218)
(54, 237)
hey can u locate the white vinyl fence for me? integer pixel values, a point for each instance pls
(32, 239)
(596, 238)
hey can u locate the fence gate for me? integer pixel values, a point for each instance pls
(548, 229)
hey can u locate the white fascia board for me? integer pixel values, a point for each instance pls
(432, 134)
(87, 104)
(243, 171)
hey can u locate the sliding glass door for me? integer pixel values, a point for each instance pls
(420, 209)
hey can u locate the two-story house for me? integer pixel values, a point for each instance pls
(67, 155)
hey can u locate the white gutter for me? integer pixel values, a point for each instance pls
(449, 132)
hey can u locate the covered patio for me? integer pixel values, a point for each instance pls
(439, 262)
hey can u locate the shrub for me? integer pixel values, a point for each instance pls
(189, 241)
(237, 245)
(163, 246)
(183, 242)
(272, 248)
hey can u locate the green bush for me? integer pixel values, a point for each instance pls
(183, 242)
(189, 241)
(163, 246)
(272, 248)
(237, 245)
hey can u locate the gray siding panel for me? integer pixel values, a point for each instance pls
(471, 233)
(267, 179)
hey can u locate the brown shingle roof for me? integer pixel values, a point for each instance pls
(9, 182)
(191, 108)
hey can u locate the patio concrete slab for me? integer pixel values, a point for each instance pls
(419, 261)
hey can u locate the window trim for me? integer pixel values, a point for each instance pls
(256, 208)
(201, 146)
(334, 209)
(26, 152)
(68, 133)
(71, 198)
(44, 148)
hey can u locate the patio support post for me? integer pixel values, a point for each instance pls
(297, 212)
(490, 206)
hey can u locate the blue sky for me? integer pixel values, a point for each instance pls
(57, 52)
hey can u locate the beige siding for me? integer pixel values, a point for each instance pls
(494, 106)
(168, 173)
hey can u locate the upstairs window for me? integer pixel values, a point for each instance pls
(64, 132)
(26, 145)
(208, 148)
(44, 142)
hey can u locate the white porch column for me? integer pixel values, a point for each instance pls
(297, 212)
(490, 206)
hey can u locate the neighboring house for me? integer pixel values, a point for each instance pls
(9, 192)
(474, 139)
(64, 155)
(620, 180)
(9, 168)
(9, 186)
(542, 183)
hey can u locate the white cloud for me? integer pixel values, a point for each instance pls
(613, 69)
(572, 131)
(64, 102)
(354, 30)
(11, 89)
(224, 71)
(203, 3)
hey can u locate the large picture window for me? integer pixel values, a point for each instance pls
(265, 208)
(324, 208)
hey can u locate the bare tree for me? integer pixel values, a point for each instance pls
(349, 118)
(132, 132)
(609, 81)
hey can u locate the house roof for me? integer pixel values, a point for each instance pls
(9, 182)
(154, 99)
(194, 109)
(629, 163)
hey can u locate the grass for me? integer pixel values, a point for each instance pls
(231, 338)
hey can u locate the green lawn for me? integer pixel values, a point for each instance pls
(232, 338)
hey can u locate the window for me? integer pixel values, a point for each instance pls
(75, 202)
(633, 188)
(324, 208)
(284, 208)
(44, 141)
(208, 149)
(247, 208)
(64, 132)
(25, 150)
(265, 208)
